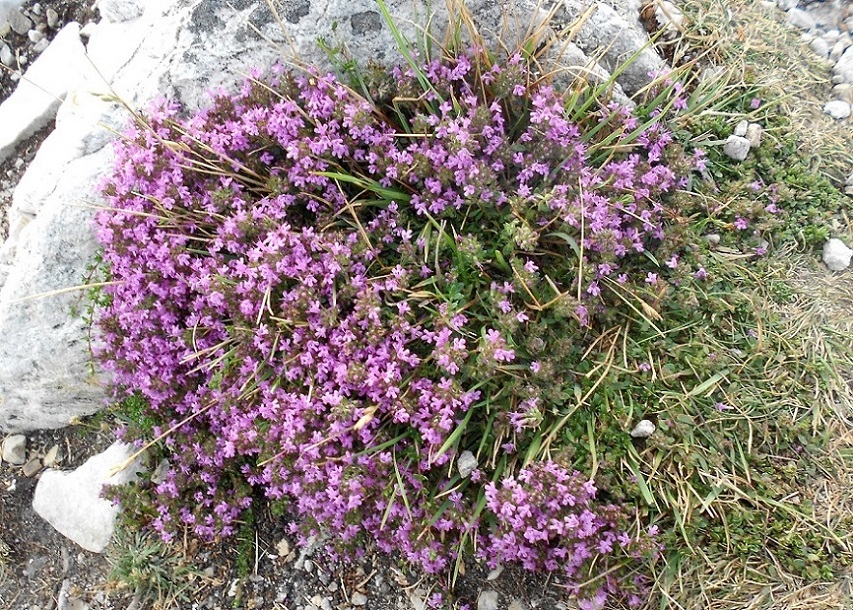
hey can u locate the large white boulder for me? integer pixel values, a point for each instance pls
(71, 501)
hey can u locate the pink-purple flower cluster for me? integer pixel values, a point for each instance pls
(327, 301)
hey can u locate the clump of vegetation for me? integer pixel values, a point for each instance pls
(426, 308)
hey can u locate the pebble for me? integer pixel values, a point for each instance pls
(35, 35)
(32, 467)
(838, 49)
(801, 19)
(19, 22)
(15, 449)
(843, 92)
(488, 600)
(786, 5)
(52, 18)
(644, 429)
(820, 47)
(836, 255)
(308, 566)
(516, 604)
(837, 109)
(740, 128)
(467, 464)
(713, 239)
(736, 147)
(41, 46)
(7, 58)
(358, 599)
(753, 134)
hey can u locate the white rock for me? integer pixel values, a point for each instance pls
(516, 604)
(7, 58)
(836, 255)
(837, 109)
(736, 147)
(801, 19)
(20, 23)
(35, 35)
(466, 464)
(52, 18)
(820, 47)
(488, 600)
(36, 99)
(15, 449)
(787, 4)
(358, 599)
(740, 129)
(71, 501)
(753, 134)
(838, 48)
(120, 10)
(41, 46)
(494, 574)
(643, 429)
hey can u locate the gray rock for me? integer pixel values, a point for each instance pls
(517, 604)
(15, 449)
(643, 429)
(71, 501)
(801, 19)
(467, 463)
(820, 47)
(836, 255)
(35, 35)
(740, 129)
(52, 18)
(837, 109)
(488, 600)
(736, 147)
(358, 599)
(838, 48)
(19, 22)
(843, 68)
(787, 4)
(843, 92)
(41, 46)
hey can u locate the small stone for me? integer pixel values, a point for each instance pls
(15, 449)
(32, 467)
(736, 147)
(820, 47)
(801, 19)
(87, 30)
(308, 566)
(713, 239)
(52, 18)
(20, 23)
(35, 35)
(36, 9)
(831, 36)
(516, 604)
(467, 463)
(787, 5)
(493, 575)
(488, 600)
(843, 92)
(837, 78)
(753, 134)
(740, 128)
(23, 60)
(669, 16)
(644, 429)
(358, 599)
(51, 456)
(838, 49)
(41, 46)
(836, 255)
(7, 58)
(837, 109)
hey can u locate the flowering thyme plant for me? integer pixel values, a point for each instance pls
(328, 296)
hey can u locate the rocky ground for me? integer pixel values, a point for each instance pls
(42, 570)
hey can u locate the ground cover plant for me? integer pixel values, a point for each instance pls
(425, 307)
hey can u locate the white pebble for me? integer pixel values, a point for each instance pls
(644, 429)
(736, 147)
(35, 35)
(836, 255)
(467, 463)
(740, 128)
(837, 109)
(820, 47)
(753, 134)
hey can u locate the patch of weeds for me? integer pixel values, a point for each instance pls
(158, 575)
